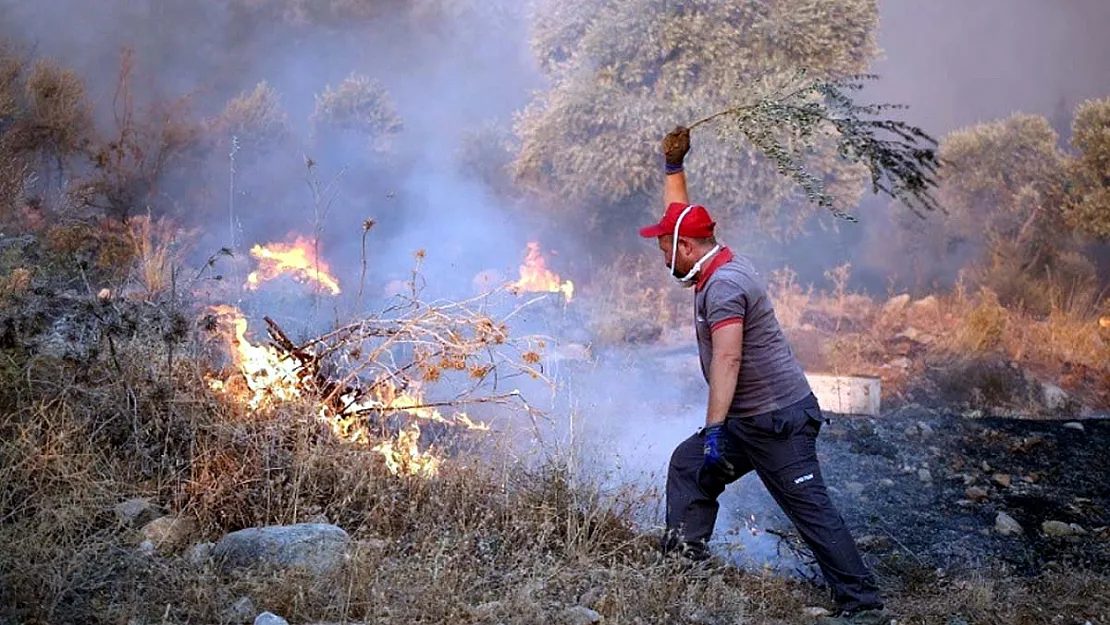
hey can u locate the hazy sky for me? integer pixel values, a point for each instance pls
(960, 62)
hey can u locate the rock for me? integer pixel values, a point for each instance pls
(169, 533)
(136, 512)
(815, 612)
(1002, 479)
(975, 493)
(242, 611)
(1075, 425)
(1006, 525)
(924, 475)
(896, 304)
(268, 618)
(200, 553)
(886, 482)
(315, 548)
(1059, 528)
(580, 615)
(146, 548)
(855, 488)
(1055, 398)
(925, 429)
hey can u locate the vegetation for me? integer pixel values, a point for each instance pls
(107, 358)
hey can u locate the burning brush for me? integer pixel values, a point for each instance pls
(353, 377)
(299, 260)
(535, 277)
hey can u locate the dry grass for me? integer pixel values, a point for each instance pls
(630, 291)
(849, 333)
(503, 541)
(157, 250)
(493, 538)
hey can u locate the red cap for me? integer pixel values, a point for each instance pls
(697, 223)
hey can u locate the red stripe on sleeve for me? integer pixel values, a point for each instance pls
(725, 322)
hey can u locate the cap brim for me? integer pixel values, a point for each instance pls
(653, 231)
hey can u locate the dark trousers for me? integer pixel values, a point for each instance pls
(780, 447)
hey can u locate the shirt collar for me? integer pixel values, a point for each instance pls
(720, 258)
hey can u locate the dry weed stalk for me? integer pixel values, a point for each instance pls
(156, 251)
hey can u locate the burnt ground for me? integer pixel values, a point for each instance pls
(1034, 471)
(920, 487)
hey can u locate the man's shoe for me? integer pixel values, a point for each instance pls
(858, 617)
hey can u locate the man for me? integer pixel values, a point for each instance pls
(761, 414)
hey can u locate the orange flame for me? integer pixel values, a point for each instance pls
(269, 377)
(403, 455)
(297, 259)
(535, 277)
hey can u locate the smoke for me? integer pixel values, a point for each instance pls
(954, 63)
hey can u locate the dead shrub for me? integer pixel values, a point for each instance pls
(59, 119)
(791, 301)
(981, 329)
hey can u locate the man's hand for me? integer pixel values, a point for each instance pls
(716, 448)
(675, 146)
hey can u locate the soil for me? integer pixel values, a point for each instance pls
(1054, 473)
(920, 487)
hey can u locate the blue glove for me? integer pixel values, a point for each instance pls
(716, 447)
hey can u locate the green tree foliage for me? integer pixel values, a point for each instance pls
(623, 72)
(1004, 178)
(255, 119)
(1088, 206)
(1004, 188)
(359, 107)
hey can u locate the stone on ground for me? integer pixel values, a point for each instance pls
(314, 548)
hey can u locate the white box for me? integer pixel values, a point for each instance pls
(846, 394)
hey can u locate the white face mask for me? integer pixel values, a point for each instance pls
(674, 252)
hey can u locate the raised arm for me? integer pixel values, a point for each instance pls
(675, 146)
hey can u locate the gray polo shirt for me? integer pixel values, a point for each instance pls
(733, 292)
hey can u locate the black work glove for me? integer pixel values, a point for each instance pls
(717, 446)
(675, 146)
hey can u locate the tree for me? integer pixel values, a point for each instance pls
(1004, 188)
(359, 108)
(1088, 206)
(626, 71)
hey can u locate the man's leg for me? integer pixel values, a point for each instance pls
(692, 494)
(782, 447)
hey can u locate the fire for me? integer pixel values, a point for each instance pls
(403, 455)
(297, 259)
(272, 378)
(537, 278)
(269, 377)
